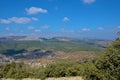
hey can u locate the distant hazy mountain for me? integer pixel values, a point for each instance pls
(22, 38)
(28, 47)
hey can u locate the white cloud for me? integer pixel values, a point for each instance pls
(22, 20)
(45, 27)
(66, 31)
(119, 27)
(37, 30)
(19, 20)
(21, 31)
(62, 29)
(35, 19)
(7, 28)
(100, 28)
(85, 29)
(89, 1)
(11, 34)
(30, 27)
(35, 10)
(4, 21)
(65, 19)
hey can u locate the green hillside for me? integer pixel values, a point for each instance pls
(51, 44)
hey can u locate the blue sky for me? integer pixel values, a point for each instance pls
(53, 18)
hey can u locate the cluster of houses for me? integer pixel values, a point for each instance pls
(5, 59)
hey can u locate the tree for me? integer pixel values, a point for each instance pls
(107, 66)
(109, 62)
(10, 73)
(1, 72)
(118, 33)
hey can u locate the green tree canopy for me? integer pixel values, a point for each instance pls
(109, 62)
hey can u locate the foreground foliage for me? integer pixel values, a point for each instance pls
(107, 66)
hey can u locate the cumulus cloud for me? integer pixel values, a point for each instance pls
(35, 19)
(22, 20)
(37, 30)
(19, 20)
(30, 27)
(11, 34)
(21, 31)
(89, 1)
(35, 10)
(7, 28)
(4, 21)
(85, 29)
(45, 27)
(66, 31)
(119, 27)
(65, 19)
(100, 28)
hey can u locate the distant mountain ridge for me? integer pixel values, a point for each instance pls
(36, 38)
(22, 38)
(57, 40)
(32, 47)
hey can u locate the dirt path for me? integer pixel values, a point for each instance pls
(66, 78)
(63, 78)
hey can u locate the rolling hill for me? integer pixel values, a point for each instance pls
(57, 48)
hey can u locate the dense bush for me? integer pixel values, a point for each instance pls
(107, 66)
(62, 69)
(14, 70)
